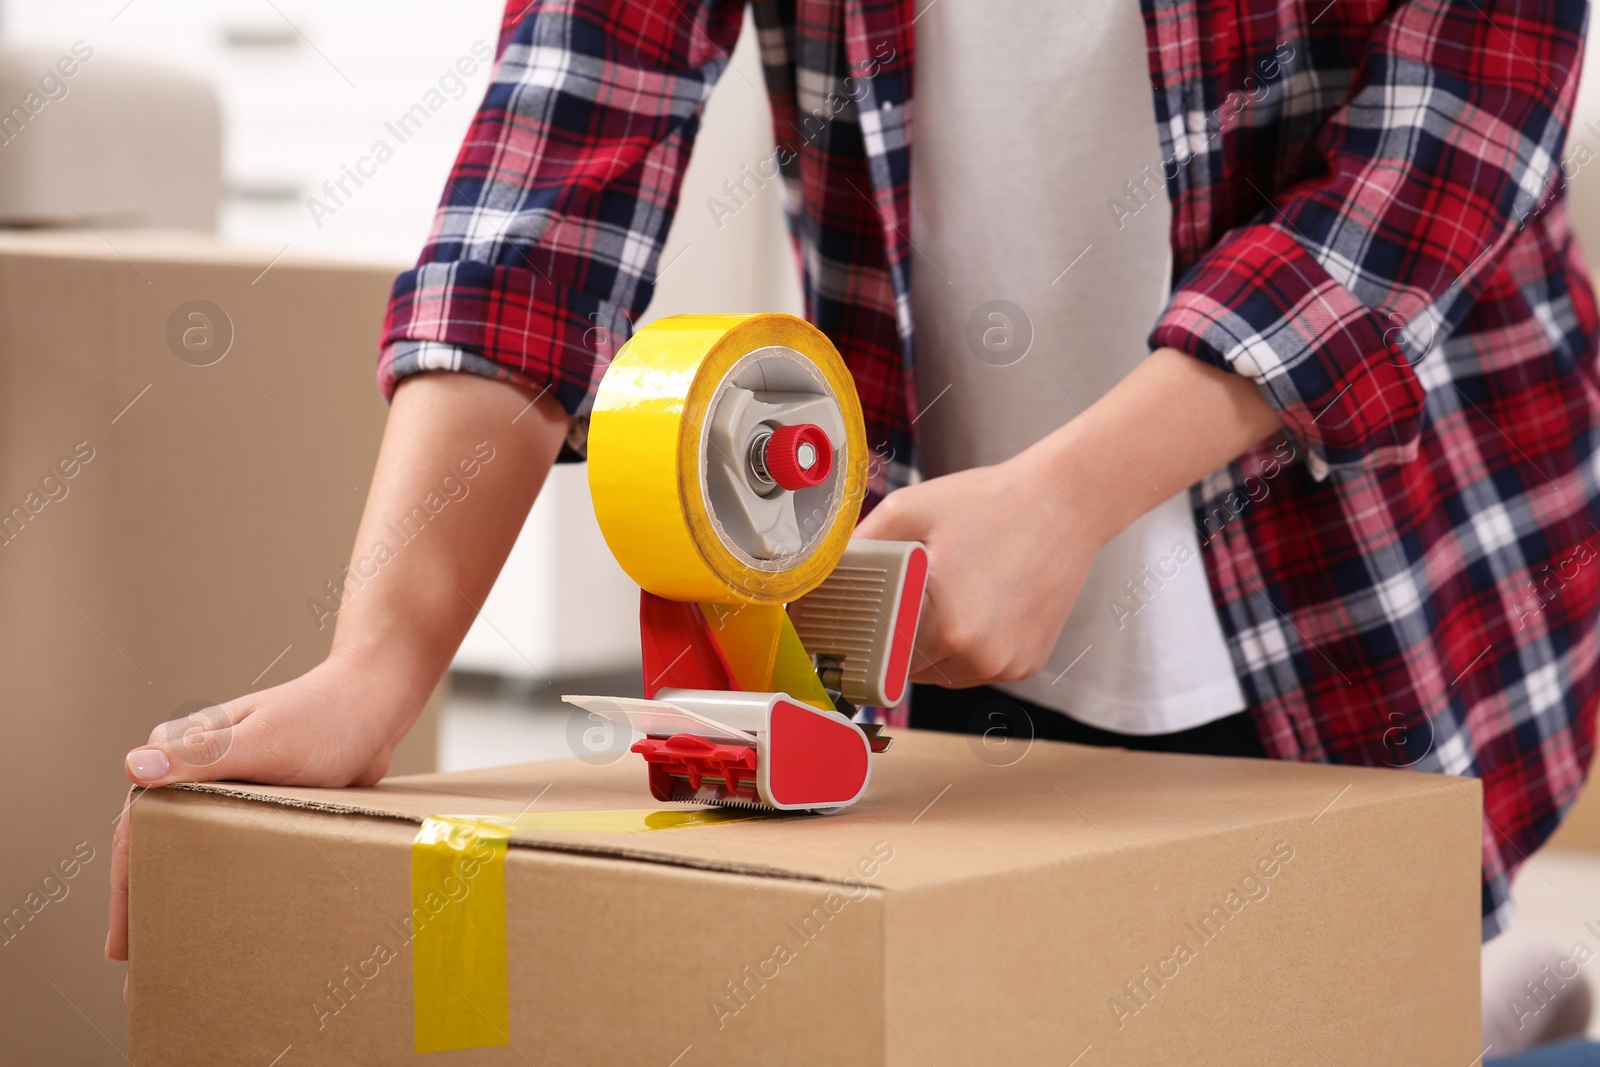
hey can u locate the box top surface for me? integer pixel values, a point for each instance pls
(969, 817)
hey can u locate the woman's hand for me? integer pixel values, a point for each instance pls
(485, 446)
(1007, 554)
(1009, 546)
(335, 725)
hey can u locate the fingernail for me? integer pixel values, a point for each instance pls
(148, 764)
(108, 945)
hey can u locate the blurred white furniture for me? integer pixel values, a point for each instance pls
(87, 139)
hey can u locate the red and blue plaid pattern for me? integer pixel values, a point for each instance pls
(1368, 221)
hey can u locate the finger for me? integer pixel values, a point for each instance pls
(931, 673)
(934, 658)
(932, 663)
(949, 674)
(896, 518)
(874, 528)
(211, 743)
(962, 668)
(117, 928)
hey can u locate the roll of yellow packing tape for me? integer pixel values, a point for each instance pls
(652, 454)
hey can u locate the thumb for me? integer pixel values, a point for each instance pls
(198, 746)
(896, 518)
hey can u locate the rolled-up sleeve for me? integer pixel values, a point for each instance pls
(1339, 298)
(545, 246)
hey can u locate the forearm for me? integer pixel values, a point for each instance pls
(1162, 428)
(419, 573)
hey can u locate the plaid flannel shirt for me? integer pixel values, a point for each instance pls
(1368, 222)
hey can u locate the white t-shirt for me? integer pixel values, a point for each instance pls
(1036, 181)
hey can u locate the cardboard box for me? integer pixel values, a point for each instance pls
(1072, 906)
(208, 502)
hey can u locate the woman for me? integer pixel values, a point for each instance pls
(1336, 507)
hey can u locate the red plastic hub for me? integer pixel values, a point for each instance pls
(727, 771)
(799, 457)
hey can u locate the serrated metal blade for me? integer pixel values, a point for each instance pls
(683, 792)
(875, 738)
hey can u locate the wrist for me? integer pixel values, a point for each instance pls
(393, 682)
(1083, 483)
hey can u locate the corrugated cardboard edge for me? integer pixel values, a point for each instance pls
(240, 792)
(1436, 783)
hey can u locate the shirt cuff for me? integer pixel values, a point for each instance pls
(1260, 305)
(501, 322)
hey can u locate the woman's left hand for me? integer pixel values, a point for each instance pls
(1007, 554)
(1009, 546)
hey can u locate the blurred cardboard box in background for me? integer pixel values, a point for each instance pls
(976, 907)
(174, 490)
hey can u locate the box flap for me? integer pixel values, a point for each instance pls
(952, 813)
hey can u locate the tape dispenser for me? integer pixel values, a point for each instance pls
(728, 462)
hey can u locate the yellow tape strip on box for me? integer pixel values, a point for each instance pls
(458, 949)
(460, 997)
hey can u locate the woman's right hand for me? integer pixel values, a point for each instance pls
(485, 447)
(335, 725)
